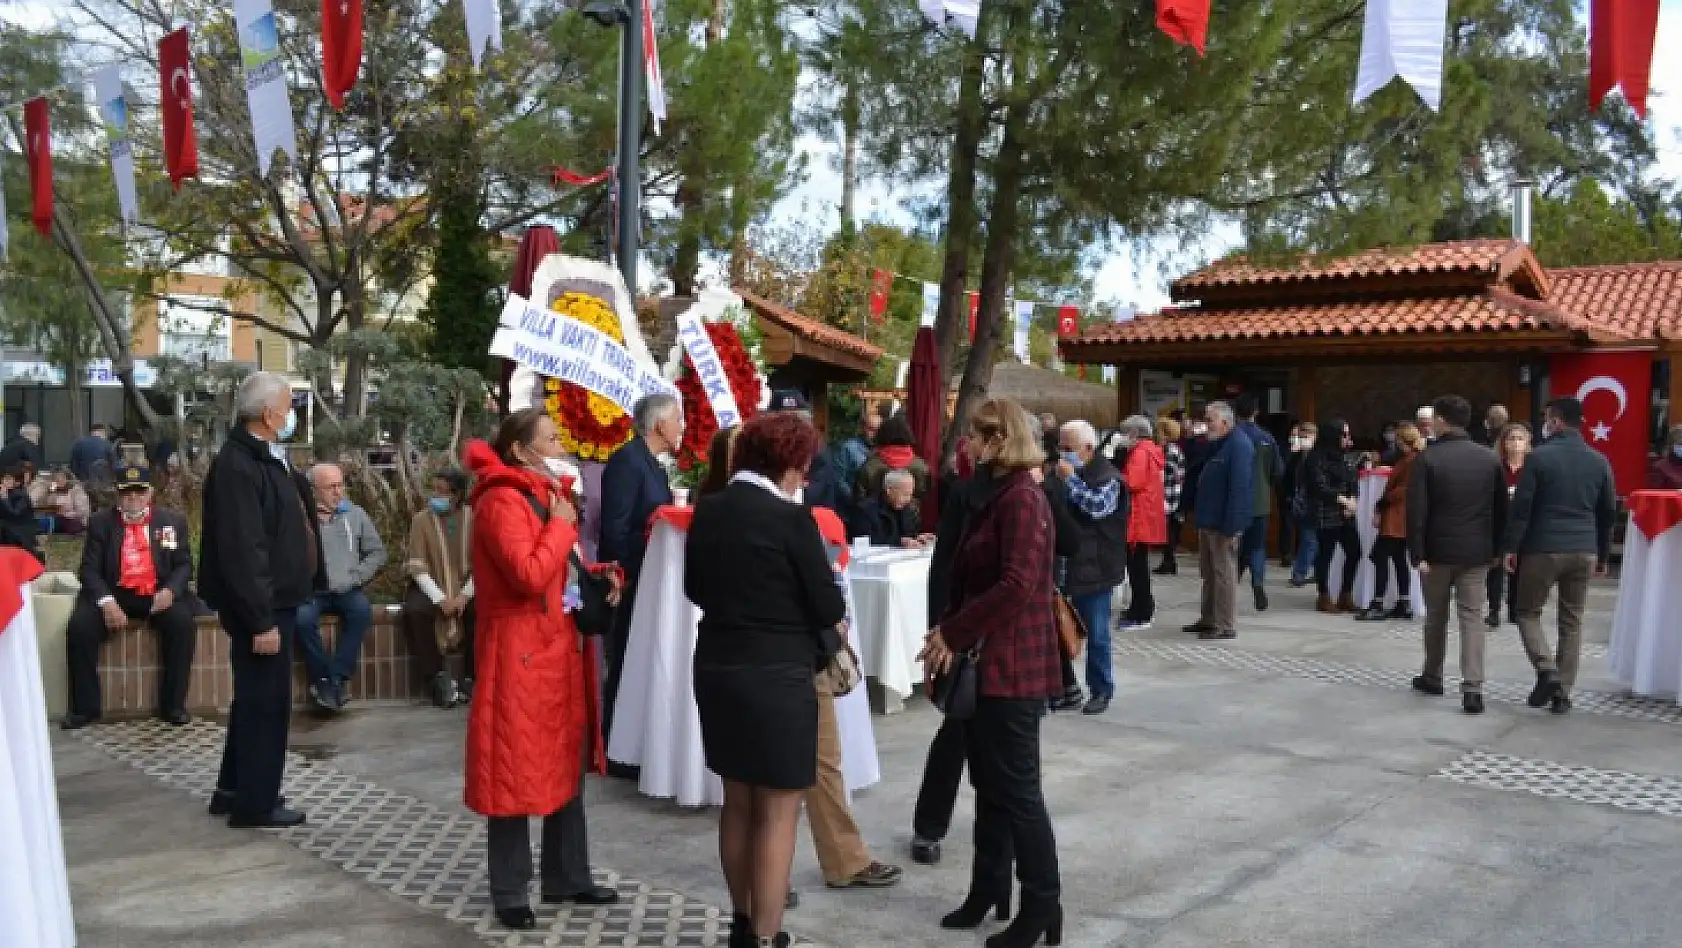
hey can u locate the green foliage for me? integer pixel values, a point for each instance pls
(462, 310)
(1586, 227)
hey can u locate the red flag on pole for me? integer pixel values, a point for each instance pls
(38, 149)
(1613, 387)
(181, 140)
(974, 307)
(881, 287)
(651, 66)
(1621, 37)
(1186, 21)
(341, 47)
(1068, 322)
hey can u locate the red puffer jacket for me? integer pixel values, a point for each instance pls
(1147, 519)
(533, 719)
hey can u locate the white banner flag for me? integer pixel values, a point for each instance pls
(563, 348)
(265, 81)
(1024, 319)
(651, 67)
(5, 232)
(484, 25)
(1404, 38)
(113, 111)
(692, 332)
(959, 13)
(931, 303)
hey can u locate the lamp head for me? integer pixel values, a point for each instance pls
(607, 13)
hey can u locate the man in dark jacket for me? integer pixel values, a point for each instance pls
(1560, 530)
(634, 485)
(1457, 506)
(1265, 476)
(24, 446)
(135, 565)
(93, 457)
(1226, 498)
(260, 560)
(1098, 501)
(890, 519)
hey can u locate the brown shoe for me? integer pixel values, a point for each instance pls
(1346, 603)
(874, 876)
(1325, 604)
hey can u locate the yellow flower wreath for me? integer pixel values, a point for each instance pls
(591, 427)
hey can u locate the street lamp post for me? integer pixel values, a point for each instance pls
(627, 16)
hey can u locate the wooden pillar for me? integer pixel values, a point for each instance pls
(1674, 392)
(1127, 391)
(1308, 393)
(820, 406)
(1521, 397)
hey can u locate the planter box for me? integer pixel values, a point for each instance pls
(54, 596)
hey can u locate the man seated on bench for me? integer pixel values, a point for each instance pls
(135, 565)
(352, 553)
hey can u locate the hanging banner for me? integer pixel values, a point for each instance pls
(881, 287)
(1403, 39)
(484, 26)
(692, 332)
(651, 66)
(175, 101)
(265, 82)
(1185, 21)
(38, 150)
(5, 232)
(1068, 322)
(559, 347)
(1024, 320)
(1621, 38)
(113, 111)
(341, 48)
(974, 308)
(1613, 387)
(962, 14)
(931, 303)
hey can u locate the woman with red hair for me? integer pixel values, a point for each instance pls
(756, 567)
(533, 730)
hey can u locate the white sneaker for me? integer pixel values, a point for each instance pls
(1128, 626)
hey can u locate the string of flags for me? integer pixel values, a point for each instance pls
(264, 73)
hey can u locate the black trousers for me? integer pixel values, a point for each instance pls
(87, 632)
(1331, 539)
(420, 620)
(617, 638)
(1012, 825)
(942, 774)
(1390, 553)
(565, 867)
(254, 757)
(1142, 607)
(1497, 581)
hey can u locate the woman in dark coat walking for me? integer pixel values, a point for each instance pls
(1331, 490)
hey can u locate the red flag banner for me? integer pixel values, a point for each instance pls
(1068, 322)
(341, 47)
(563, 176)
(181, 140)
(38, 148)
(1614, 388)
(1186, 21)
(974, 307)
(881, 287)
(1621, 38)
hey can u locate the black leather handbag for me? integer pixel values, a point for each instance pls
(955, 691)
(593, 616)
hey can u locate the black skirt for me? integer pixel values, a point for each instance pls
(759, 723)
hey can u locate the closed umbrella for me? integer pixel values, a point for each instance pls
(537, 243)
(926, 403)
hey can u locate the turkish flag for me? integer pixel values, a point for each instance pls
(1068, 322)
(974, 307)
(181, 140)
(881, 287)
(38, 148)
(1186, 21)
(1621, 37)
(341, 47)
(1614, 388)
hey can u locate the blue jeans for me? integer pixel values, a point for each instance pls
(1252, 550)
(1094, 609)
(355, 615)
(1307, 549)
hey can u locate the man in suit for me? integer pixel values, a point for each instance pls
(135, 565)
(891, 520)
(634, 485)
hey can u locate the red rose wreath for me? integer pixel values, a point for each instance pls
(745, 384)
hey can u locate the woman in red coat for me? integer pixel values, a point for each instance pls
(533, 723)
(1147, 517)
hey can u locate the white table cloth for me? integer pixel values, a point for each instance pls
(1371, 489)
(34, 887)
(891, 592)
(1645, 653)
(655, 723)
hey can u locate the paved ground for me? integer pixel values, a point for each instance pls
(1283, 789)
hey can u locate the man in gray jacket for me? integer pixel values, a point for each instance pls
(1456, 507)
(1561, 531)
(352, 553)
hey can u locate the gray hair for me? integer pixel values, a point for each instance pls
(30, 430)
(256, 393)
(898, 479)
(317, 468)
(1139, 427)
(1221, 409)
(1035, 428)
(650, 410)
(1086, 436)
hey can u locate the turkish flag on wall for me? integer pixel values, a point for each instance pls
(1621, 37)
(1614, 388)
(974, 307)
(38, 148)
(1068, 322)
(881, 286)
(1187, 21)
(341, 47)
(181, 139)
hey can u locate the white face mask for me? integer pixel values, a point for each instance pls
(557, 466)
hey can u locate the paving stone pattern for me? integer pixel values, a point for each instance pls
(423, 854)
(1412, 633)
(1637, 792)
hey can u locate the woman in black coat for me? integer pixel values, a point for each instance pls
(1331, 490)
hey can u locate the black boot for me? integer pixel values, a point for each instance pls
(1547, 688)
(779, 940)
(1025, 932)
(974, 910)
(1372, 613)
(519, 917)
(1403, 609)
(1168, 568)
(741, 932)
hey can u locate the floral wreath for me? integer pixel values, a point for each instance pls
(745, 384)
(591, 427)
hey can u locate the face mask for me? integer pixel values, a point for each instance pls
(343, 506)
(1390, 437)
(134, 516)
(439, 505)
(557, 466)
(1071, 457)
(289, 426)
(1676, 452)
(799, 496)
(1199, 430)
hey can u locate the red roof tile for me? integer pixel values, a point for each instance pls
(1641, 300)
(1472, 264)
(811, 329)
